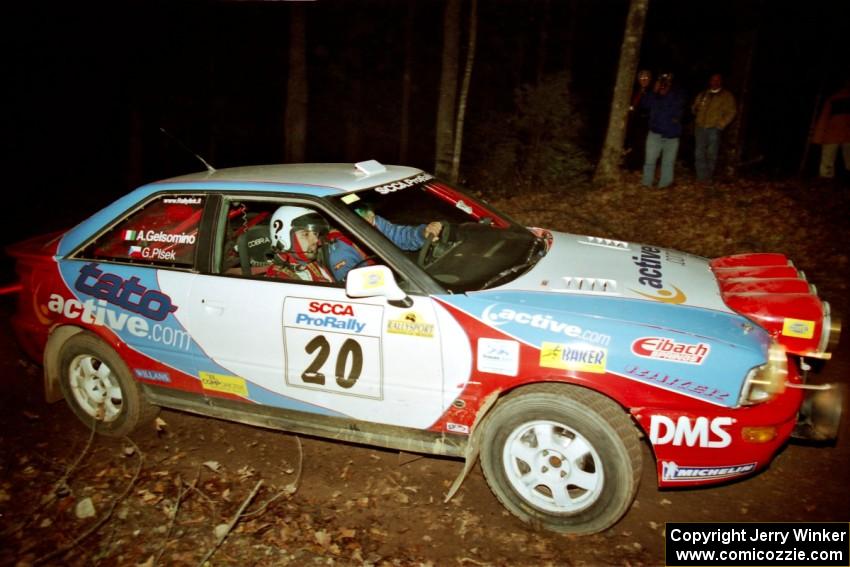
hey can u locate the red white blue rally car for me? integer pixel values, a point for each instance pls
(314, 298)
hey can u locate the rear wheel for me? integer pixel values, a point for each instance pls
(561, 457)
(97, 386)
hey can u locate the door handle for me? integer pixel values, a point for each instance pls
(213, 307)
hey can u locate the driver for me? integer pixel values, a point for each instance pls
(297, 236)
(343, 255)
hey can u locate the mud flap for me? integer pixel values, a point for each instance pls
(473, 447)
(819, 418)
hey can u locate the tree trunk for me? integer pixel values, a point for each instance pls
(740, 82)
(295, 117)
(406, 84)
(542, 40)
(608, 169)
(448, 89)
(464, 90)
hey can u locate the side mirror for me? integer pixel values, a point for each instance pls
(376, 281)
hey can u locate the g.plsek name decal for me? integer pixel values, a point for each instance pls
(127, 294)
(661, 348)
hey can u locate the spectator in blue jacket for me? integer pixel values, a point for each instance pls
(343, 255)
(666, 104)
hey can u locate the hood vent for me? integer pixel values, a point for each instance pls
(590, 285)
(605, 243)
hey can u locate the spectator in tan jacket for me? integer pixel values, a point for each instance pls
(833, 130)
(714, 109)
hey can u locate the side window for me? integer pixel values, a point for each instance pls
(164, 232)
(292, 242)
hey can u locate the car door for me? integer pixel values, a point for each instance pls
(134, 279)
(308, 347)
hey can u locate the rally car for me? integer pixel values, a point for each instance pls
(551, 355)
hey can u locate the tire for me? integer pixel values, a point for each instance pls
(561, 457)
(97, 386)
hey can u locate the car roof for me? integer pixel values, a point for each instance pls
(343, 177)
(316, 179)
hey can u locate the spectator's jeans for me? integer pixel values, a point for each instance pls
(667, 148)
(705, 150)
(828, 153)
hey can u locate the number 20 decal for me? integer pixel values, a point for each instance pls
(350, 348)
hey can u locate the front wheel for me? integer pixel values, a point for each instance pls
(97, 386)
(561, 457)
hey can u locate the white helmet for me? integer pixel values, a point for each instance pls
(287, 219)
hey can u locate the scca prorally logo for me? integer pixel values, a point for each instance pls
(128, 294)
(331, 308)
(159, 236)
(698, 432)
(672, 472)
(661, 348)
(493, 315)
(650, 275)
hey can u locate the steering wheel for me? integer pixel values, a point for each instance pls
(428, 250)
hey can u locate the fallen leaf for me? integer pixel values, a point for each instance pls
(322, 537)
(84, 509)
(220, 531)
(214, 466)
(160, 425)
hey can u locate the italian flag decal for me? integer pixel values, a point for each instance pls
(130, 234)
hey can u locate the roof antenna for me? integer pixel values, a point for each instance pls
(210, 168)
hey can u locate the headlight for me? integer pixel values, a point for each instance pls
(766, 381)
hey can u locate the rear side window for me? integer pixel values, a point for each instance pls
(164, 232)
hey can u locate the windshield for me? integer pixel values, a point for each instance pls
(477, 246)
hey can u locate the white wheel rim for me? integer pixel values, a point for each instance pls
(95, 387)
(553, 467)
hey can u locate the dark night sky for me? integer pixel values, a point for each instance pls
(214, 74)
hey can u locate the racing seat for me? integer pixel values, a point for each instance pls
(255, 250)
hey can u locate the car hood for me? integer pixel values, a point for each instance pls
(577, 264)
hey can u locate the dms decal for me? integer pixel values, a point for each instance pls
(498, 356)
(660, 348)
(650, 275)
(225, 384)
(159, 236)
(154, 375)
(410, 324)
(457, 428)
(496, 316)
(127, 294)
(579, 356)
(798, 328)
(671, 472)
(699, 432)
(676, 383)
(98, 313)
